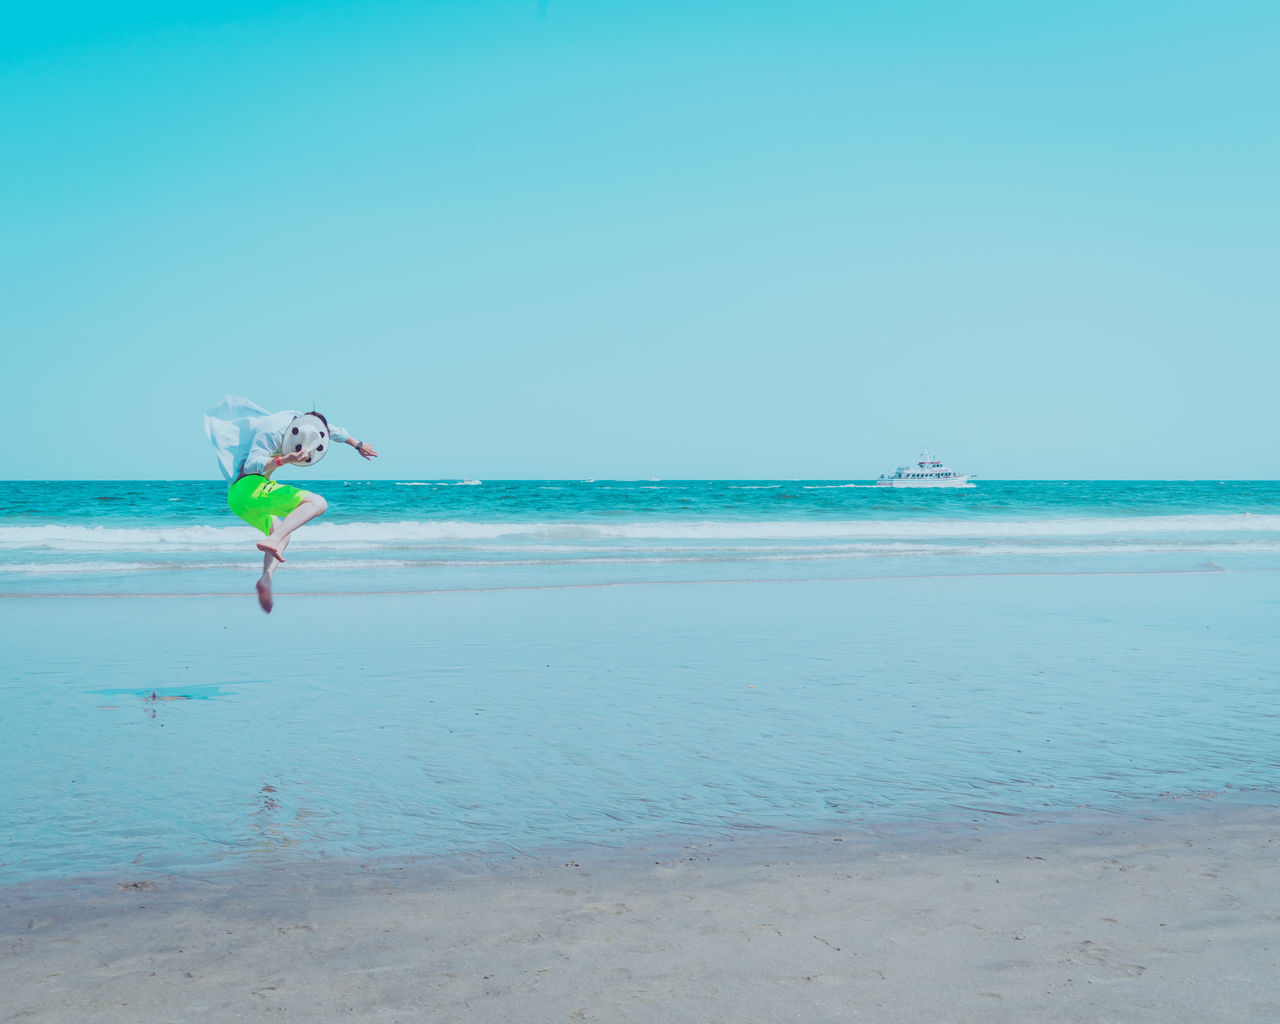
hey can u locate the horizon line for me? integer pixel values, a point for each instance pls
(672, 479)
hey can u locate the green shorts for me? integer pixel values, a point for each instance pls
(256, 500)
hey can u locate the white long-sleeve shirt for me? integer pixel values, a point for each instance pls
(247, 436)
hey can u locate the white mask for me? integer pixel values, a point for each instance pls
(307, 433)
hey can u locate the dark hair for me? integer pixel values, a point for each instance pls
(321, 415)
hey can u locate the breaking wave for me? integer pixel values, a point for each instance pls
(434, 533)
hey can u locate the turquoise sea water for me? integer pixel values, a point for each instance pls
(498, 669)
(179, 537)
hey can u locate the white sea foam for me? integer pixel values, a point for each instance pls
(73, 568)
(931, 528)
(439, 483)
(114, 538)
(317, 561)
(427, 533)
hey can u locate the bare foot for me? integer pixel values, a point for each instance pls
(264, 594)
(272, 547)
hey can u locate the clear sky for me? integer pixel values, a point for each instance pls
(678, 238)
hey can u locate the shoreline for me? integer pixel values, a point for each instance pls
(1163, 913)
(735, 846)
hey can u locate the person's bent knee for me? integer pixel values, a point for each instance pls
(316, 501)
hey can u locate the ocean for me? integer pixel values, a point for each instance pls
(402, 536)
(484, 671)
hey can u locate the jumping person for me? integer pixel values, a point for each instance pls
(253, 443)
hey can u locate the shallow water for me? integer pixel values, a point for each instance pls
(192, 733)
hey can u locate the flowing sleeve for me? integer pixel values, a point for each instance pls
(230, 427)
(339, 434)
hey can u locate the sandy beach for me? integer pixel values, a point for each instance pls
(1171, 918)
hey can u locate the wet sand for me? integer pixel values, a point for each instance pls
(1173, 915)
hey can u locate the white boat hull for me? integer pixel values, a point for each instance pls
(955, 481)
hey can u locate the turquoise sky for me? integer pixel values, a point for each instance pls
(561, 238)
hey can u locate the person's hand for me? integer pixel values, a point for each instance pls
(289, 458)
(366, 450)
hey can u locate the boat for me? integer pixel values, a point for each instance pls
(927, 472)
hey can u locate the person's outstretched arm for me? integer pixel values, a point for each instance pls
(363, 448)
(343, 436)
